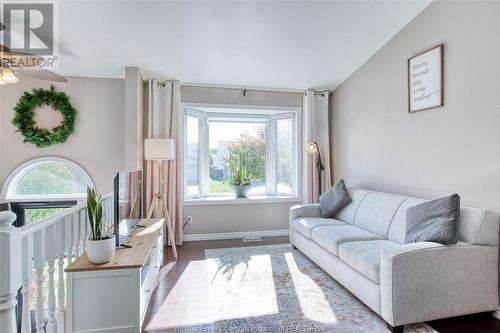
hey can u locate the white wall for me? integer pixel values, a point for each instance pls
(208, 219)
(198, 94)
(375, 142)
(97, 143)
(238, 217)
(134, 114)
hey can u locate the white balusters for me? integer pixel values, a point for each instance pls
(32, 248)
(38, 265)
(109, 213)
(105, 213)
(27, 275)
(60, 234)
(76, 234)
(83, 231)
(68, 231)
(107, 204)
(50, 256)
(9, 271)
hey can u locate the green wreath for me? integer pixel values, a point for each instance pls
(40, 137)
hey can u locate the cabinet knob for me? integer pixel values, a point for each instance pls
(146, 290)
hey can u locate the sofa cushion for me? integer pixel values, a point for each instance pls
(330, 237)
(364, 256)
(376, 211)
(306, 225)
(397, 230)
(333, 200)
(348, 212)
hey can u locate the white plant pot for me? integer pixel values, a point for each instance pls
(101, 251)
(241, 191)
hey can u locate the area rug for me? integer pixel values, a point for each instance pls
(274, 288)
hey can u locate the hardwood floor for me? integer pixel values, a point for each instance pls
(182, 295)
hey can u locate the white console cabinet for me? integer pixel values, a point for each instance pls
(113, 297)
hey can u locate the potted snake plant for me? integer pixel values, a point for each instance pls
(100, 246)
(239, 175)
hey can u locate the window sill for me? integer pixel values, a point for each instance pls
(253, 199)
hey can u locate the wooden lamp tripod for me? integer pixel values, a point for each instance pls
(161, 150)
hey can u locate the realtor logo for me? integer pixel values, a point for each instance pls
(30, 28)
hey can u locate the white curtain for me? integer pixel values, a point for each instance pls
(163, 114)
(315, 128)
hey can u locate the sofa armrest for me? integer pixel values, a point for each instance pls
(425, 281)
(298, 211)
(309, 210)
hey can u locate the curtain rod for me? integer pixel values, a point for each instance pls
(244, 88)
(161, 83)
(320, 93)
(248, 88)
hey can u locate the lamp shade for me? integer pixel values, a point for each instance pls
(159, 149)
(312, 147)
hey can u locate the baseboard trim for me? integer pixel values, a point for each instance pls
(496, 314)
(234, 235)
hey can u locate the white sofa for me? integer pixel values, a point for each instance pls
(363, 249)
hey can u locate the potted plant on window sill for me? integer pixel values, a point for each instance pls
(239, 176)
(100, 246)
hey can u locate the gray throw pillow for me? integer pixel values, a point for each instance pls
(433, 221)
(333, 200)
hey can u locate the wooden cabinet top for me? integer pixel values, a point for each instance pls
(142, 239)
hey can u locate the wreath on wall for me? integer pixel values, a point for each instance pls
(26, 125)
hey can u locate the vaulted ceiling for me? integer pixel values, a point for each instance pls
(280, 44)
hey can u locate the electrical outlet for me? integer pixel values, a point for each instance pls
(189, 219)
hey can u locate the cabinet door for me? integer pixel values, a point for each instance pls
(159, 243)
(150, 273)
(145, 294)
(103, 301)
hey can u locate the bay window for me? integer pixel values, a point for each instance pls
(266, 140)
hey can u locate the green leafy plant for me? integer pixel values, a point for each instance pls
(41, 137)
(253, 147)
(239, 173)
(94, 210)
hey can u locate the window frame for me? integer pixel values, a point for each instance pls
(270, 119)
(19, 172)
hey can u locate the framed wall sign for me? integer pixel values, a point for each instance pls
(425, 80)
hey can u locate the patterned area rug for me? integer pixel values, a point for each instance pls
(276, 289)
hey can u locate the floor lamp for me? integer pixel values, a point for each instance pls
(313, 148)
(161, 150)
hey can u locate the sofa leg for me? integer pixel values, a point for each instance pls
(395, 329)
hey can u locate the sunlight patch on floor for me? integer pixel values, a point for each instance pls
(317, 307)
(186, 299)
(240, 291)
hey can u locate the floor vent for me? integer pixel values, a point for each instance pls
(252, 239)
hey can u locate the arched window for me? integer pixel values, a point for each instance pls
(45, 186)
(47, 178)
